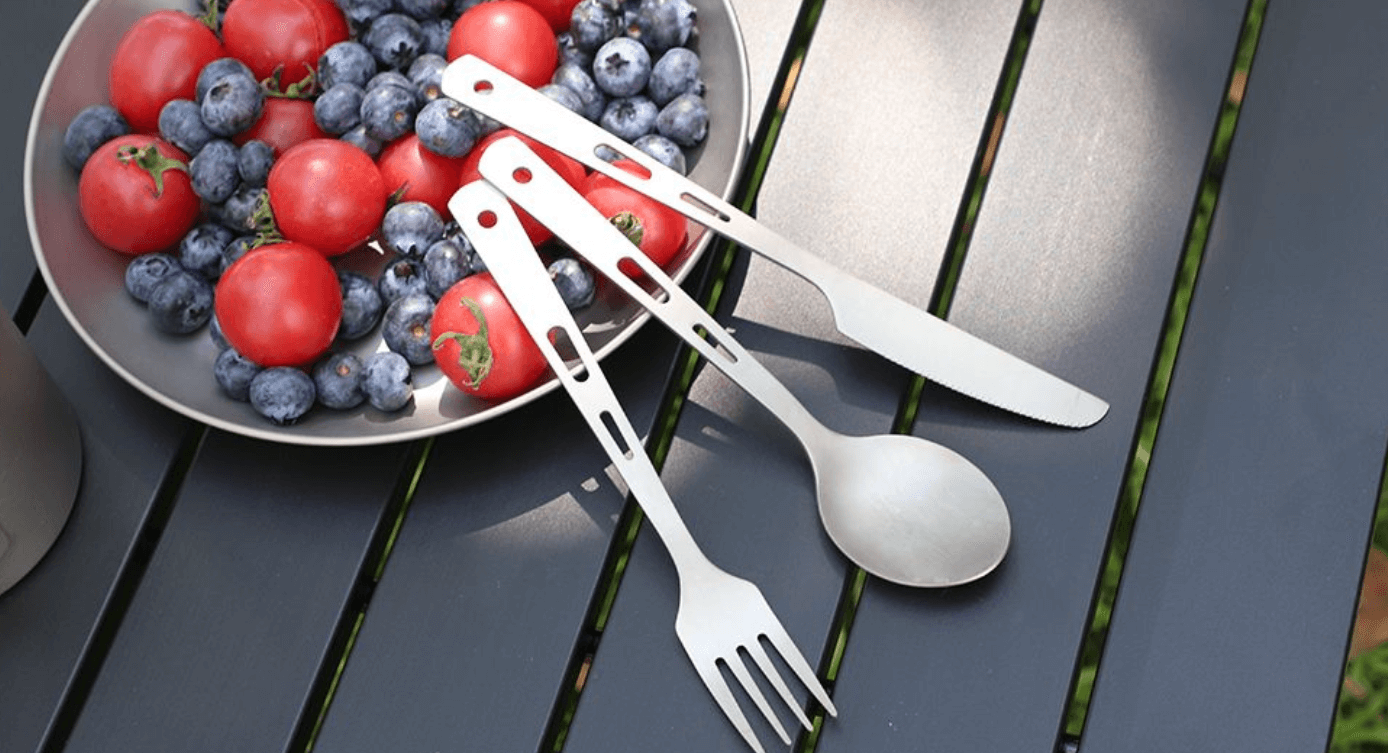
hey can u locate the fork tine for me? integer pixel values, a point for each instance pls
(773, 676)
(781, 640)
(713, 679)
(739, 671)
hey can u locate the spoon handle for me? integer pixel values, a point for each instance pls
(883, 323)
(520, 174)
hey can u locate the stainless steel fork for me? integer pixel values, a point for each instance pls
(719, 614)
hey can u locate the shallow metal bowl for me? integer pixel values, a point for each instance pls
(87, 280)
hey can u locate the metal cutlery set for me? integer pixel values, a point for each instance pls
(905, 509)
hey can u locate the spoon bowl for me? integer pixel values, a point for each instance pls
(908, 510)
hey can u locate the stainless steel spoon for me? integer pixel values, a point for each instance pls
(903, 508)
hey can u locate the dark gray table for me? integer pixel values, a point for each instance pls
(486, 589)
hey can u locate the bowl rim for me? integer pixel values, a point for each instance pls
(286, 434)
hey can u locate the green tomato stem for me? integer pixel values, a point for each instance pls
(630, 225)
(149, 159)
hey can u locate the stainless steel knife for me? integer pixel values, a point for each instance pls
(897, 330)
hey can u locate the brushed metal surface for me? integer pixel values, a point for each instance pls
(40, 457)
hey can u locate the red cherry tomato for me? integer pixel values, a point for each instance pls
(420, 175)
(280, 305)
(282, 124)
(327, 194)
(480, 343)
(511, 36)
(135, 196)
(571, 171)
(658, 230)
(559, 13)
(596, 178)
(158, 60)
(268, 34)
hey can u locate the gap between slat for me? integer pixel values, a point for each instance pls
(1173, 327)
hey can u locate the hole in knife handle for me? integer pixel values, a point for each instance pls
(701, 205)
(611, 153)
(610, 425)
(486, 218)
(482, 86)
(521, 175)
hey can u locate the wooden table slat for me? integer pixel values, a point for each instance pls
(241, 600)
(33, 31)
(1113, 113)
(48, 620)
(1241, 581)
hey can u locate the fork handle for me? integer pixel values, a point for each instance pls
(487, 219)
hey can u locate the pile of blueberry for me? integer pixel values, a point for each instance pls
(625, 64)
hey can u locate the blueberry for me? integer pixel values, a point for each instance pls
(422, 10)
(181, 303)
(93, 126)
(400, 278)
(447, 128)
(570, 54)
(665, 151)
(445, 263)
(662, 24)
(358, 137)
(346, 62)
(675, 73)
(394, 39)
(214, 172)
(236, 249)
(426, 74)
(337, 381)
(214, 330)
(593, 23)
(338, 109)
(463, 6)
(363, 12)
(411, 227)
(564, 96)
(437, 32)
(629, 118)
(405, 328)
(282, 394)
(387, 381)
(238, 212)
(684, 121)
(203, 249)
(215, 70)
(622, 67)
(361, 305)
(396, 78)
(232, 104)
(180, 124)
(253, 162)
(146, 271)
(576, 79)
(573, 280)
(234, 373)
(388, 112)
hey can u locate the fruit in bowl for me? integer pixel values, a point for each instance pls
(354, 161)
